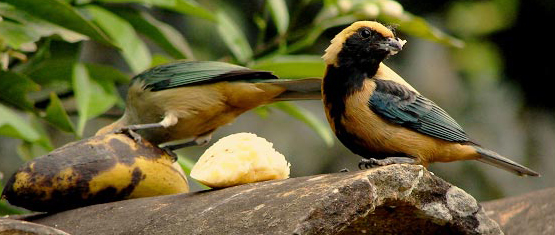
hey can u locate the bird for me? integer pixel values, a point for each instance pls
(376, 114)
(189, 100)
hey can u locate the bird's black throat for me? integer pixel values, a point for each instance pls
(341, 82)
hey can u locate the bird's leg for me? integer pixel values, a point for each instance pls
(130, 130)
(199, 141)
(372, 162)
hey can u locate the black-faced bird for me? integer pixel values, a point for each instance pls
(379, 116)
(189, 100)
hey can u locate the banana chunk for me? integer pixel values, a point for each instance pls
(240, 159)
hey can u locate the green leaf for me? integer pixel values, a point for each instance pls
(13, 125)
(104, 95)
(93, 96)
(233, 38)
(25, 151)
(52, 66)
(43, 53)
(107, 73)
(158, 59)
(6, 209)
(186, 164)
(329, 3)
(52, 75)
(475, 19)
(16, 35)
(479, 59)
(56, 114)
(262, 111)
(50, 71)
(293, 66)
(106, 76)
(134, 50)
(61, 13)
(187, 7)
(318, 29)
(39, 26)
(51, 53)
(418, 27)
(29, 150)
(81, 87)
(321, 128)
(280, 15)
(14, 87)
(161, 33)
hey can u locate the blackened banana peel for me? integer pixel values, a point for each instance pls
(99, 169)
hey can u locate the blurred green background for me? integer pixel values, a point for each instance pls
(65, 65)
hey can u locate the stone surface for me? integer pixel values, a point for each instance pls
(531, 213)
(10, 226)
(387, 200)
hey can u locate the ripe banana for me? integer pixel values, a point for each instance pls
(96, 170)
(239, 159)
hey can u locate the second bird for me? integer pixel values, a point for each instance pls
(379, 116)
(191, 99)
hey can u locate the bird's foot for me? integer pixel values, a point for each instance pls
(371, 162)
(199, 141)
(131, 133)
(344, 170)
(131, 130)
(170, 152)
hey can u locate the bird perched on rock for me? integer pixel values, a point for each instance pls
(379, 116)
(191, 99)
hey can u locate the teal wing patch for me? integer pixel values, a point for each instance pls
(398, 104)
(186, 73)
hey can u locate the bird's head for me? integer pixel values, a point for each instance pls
(362, 43)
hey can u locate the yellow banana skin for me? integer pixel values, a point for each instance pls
(96, 170)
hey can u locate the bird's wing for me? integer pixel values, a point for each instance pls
(400, 105)
(184, 73)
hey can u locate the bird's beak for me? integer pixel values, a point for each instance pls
(392, 45)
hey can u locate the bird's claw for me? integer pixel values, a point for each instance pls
(170, 152)
(197, 142)
(371, 162)
(131, 133)
(367, 163)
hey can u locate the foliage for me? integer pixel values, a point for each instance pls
(47, 80)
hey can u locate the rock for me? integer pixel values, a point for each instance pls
(393, 199)
(10, 226)
(531, 213)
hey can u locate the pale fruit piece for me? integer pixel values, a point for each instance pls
(240, 159)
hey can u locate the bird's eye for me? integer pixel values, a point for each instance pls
(365, 33)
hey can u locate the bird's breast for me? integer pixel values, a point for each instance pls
(360, 121)
(354, 123)
(364, 132)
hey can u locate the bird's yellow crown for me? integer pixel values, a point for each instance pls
(330, 57)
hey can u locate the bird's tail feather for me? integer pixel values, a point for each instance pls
(494, 159)
(298, 89)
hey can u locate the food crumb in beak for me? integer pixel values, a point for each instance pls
(402, 42)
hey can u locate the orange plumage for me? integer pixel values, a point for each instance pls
(190, 100)
(379, 116)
